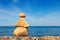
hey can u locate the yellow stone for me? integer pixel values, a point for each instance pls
(22, 14)
(22, 23)
(20, 31)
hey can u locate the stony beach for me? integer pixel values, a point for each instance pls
(30, 38)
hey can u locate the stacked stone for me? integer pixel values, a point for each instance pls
(22, 26)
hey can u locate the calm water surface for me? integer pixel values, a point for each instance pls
(33, 30)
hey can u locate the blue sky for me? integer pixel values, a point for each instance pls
(38, 12)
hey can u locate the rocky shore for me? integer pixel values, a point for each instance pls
(30, 38)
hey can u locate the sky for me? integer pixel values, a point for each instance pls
(38, 12)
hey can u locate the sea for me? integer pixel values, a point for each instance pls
(33, 31)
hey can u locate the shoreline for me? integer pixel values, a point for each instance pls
(30, 38)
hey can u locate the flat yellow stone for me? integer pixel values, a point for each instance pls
(22, 14)
(22, 23)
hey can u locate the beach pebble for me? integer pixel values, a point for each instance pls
(30, 38)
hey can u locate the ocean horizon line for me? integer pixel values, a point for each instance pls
(39, 26)
(35, 26)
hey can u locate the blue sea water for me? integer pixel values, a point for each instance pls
(33, 30)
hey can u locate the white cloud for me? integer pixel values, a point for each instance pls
(48, 20)
(52, 19)
(8, 18)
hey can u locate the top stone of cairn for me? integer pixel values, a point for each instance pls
(22, 15)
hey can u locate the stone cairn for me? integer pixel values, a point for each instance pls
(22, 26)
